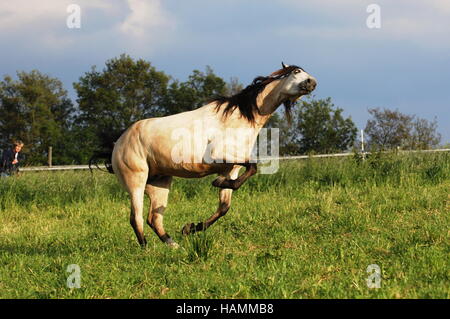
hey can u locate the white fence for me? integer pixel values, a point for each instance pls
(349, 154)
(81, 167)
(57, 168)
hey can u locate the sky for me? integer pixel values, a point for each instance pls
(404, 64)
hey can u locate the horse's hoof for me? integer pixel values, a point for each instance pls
(188, 229)
(143, 243)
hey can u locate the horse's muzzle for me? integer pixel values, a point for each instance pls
(308, 85)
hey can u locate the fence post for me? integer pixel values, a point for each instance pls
(362, 145)
(50, 149)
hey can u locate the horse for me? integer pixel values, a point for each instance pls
(146, 156)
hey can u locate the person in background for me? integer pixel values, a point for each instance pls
(11, 159)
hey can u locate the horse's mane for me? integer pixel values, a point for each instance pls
(245, 100)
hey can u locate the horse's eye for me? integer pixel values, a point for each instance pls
(297, 71)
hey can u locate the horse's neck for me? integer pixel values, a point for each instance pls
(268, 101)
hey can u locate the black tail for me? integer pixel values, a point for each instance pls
(103, 156)
(106, 156)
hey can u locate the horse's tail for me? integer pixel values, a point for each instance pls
(107, 140)
(106, 157)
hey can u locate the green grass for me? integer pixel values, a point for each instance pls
(308, 231)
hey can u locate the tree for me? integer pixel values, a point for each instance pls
(424, 134)
(234, 86)
(199, 88)
(289, 135)
(390, 129)
(34, 108)
(322, 127)
(387, 129)
(111, 100)
(316, 126)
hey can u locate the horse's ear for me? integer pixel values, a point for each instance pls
(284, 65)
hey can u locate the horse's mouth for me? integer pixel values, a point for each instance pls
(307, 86)
(305, 91)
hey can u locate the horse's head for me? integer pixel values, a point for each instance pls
(291, 83)
(296, 82)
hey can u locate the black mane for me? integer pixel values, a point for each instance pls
(245, 100)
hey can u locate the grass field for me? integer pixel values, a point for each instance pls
(308, 231)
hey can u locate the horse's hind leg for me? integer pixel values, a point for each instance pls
(157, 189)
(134, 183)
(136, 218)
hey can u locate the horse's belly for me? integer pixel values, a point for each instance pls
(192, 170)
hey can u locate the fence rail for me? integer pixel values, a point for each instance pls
(57, 168)
(82, 167)
(351, 154)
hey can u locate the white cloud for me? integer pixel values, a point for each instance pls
(145, 15)
(42, 23)
(19, 14)
(16, 14)
(441, 5)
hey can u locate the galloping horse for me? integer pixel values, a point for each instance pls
(143, 156)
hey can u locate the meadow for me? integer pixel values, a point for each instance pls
(308, 231)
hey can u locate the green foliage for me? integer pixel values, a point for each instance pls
(195, 92)
(308, 231)
(391, 129)
(34, 108)
(199, 246)
(317, 127)
(323, 128)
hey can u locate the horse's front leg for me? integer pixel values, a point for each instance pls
(224, 205)
(234, 184)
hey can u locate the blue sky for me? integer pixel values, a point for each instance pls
(405, 64)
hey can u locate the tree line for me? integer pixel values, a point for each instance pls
(36, 109)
